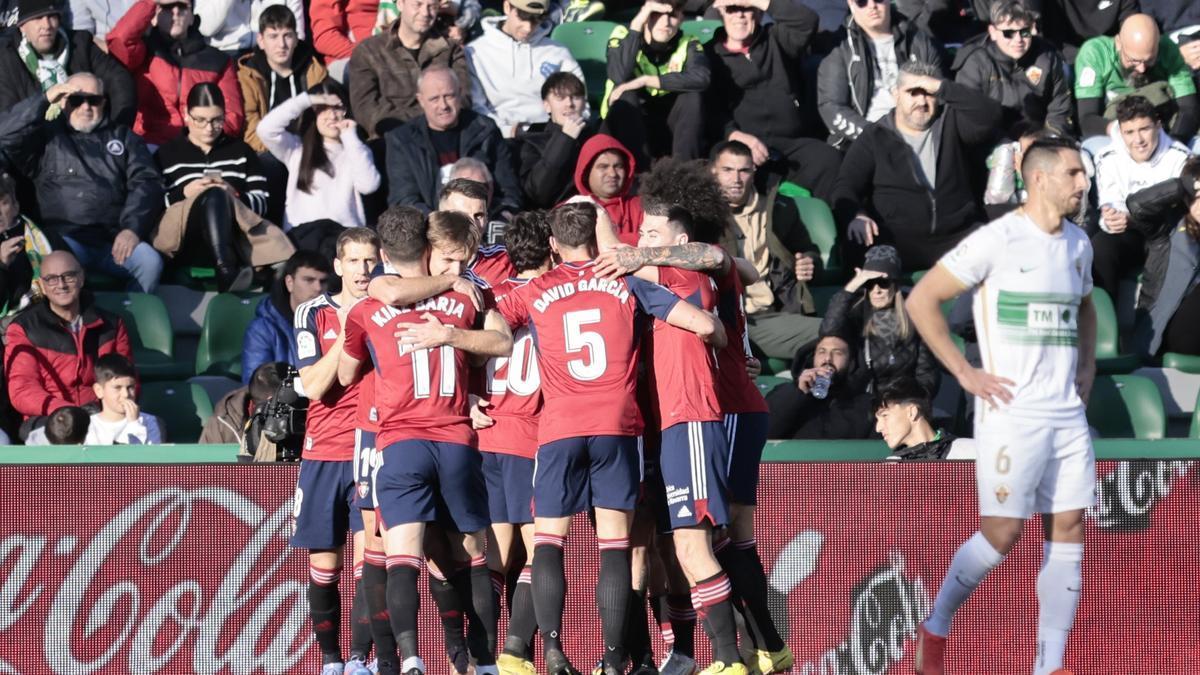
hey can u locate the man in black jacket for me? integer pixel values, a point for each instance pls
(98, 191)
(906, 180)
(549, 155)
(421, 153)
(755, 93)
(42, 53)
(1067, 24)
(855, 82)
(800, 409)
(1019, 69)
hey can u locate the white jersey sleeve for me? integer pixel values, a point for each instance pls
(976, 257)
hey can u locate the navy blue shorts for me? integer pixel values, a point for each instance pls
(509, 487)
(572, 475)
(322, 508)
(430, 481)
(746, 434)
(695, 470)
(366, 459)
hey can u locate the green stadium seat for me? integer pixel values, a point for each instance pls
(588, 43)
(1109, 358)
(818, 219)
(182, 407)
(790, 189)
(150, 331)
(701, 29)
(220, 349)
(766, 383)
(772, 365)
(1186, 363)
(1195, 430)
(1127, 406)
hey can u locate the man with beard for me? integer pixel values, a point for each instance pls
(828, 398)
(904, 182)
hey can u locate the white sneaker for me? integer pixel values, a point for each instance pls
(677, 664)
(412, 663)
(356, 667)
(332, 669)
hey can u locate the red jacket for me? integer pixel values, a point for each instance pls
(49, 367)
(339, 25)
(166, 70)
(624, 210)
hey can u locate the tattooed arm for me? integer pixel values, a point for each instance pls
(691, 256)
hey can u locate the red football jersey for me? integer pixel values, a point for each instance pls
(329, 431)
(420, 394)
(367, 415)
(492, 266)
(735, 388)
(586, 332)
(683, 370)
(513, 386)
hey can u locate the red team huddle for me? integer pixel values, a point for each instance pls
(467, 402)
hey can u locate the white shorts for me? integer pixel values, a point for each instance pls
(1022, 468)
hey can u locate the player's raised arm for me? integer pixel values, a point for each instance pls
(690, 256)
(391, 289)
(495, 339)
(706, 326)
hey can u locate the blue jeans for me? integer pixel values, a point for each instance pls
(142, 268)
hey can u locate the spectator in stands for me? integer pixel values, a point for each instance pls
(872, 306)
(653, 101)
(270, 336)
(549, 156)
(329, 167)
(604, 174)
(843, 412)
(1138, 61)
(231, 26)
(1019, 69)
(855, 82)
(231, 416)
(119, 420)
(160, 44)
(1068, 23)
(337, 27)
(1141, 154)
(510, 62)
(904, 417)
(1168, 216)
(756, 94)
(22, 247)
(907, 180)
(385, 72)
(217, 197)
(52, 346)
(280, 68)
(66, 426)
(97, 188)
(44, 53)
(96, 16)
(769, 234)
(421, 153)
(1006, 190)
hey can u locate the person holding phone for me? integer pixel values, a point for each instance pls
(217, 194)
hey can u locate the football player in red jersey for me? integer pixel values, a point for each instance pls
(429, 467)
(490, 264)
(325, 488)
(588, 333)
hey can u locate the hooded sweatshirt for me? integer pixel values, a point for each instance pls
(1118, 175)
(624, 209)
(507, 75)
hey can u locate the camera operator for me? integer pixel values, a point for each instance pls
(242, 415)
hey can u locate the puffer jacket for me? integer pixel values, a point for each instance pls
(166, 70)
(883, 359)
(846, 78)
(1172, 260)
(89, 186)
(1034, 88)
(269, 337)
(256, 80)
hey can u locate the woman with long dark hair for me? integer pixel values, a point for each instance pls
(217, 195)
(329, 166)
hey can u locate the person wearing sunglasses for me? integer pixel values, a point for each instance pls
(855, 82)
(1019, 69)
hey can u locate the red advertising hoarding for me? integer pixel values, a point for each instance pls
(186, 569)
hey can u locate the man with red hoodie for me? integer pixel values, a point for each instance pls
(605, 173)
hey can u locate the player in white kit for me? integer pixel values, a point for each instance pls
(1032, 273)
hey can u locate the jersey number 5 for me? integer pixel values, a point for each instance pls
(422, 374)
(577, 340)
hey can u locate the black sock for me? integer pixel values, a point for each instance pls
(325, 607)
(549, 588)
(522, 621)
(741, 562)
(637, 632)
(374, 588)
(612, 598)
(450, 612)
(475, 592)
(403, 601)
(714, 593)
(360, 629)
(682, 617)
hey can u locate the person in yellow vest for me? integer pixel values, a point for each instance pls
(656, 77)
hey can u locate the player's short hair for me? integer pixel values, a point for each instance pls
(1045, 153)
(904, 391)
(1135, 107)
(563, 84)
(111, 366)
(276, 16)
(1004, 11)
(450, 230)
(8, 186)
(266, 380)
(355, 235)
(471, 189)
(307, 258)
(735, 148)
(688, 195)
(574, 225)
(68, 426)
(527, 240)
(402, 233)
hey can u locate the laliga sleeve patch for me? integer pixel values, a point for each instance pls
(1087, 77)
(306, 346)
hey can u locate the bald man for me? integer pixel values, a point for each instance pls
(1137, 61)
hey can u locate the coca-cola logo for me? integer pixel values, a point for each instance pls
(238, 619)
(1126, 496)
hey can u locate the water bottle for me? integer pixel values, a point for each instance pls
(820, 386)
(1001, 183)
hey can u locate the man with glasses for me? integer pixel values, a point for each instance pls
(855, 82)
(98, 191)
(52, 347)
(1019, 69)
